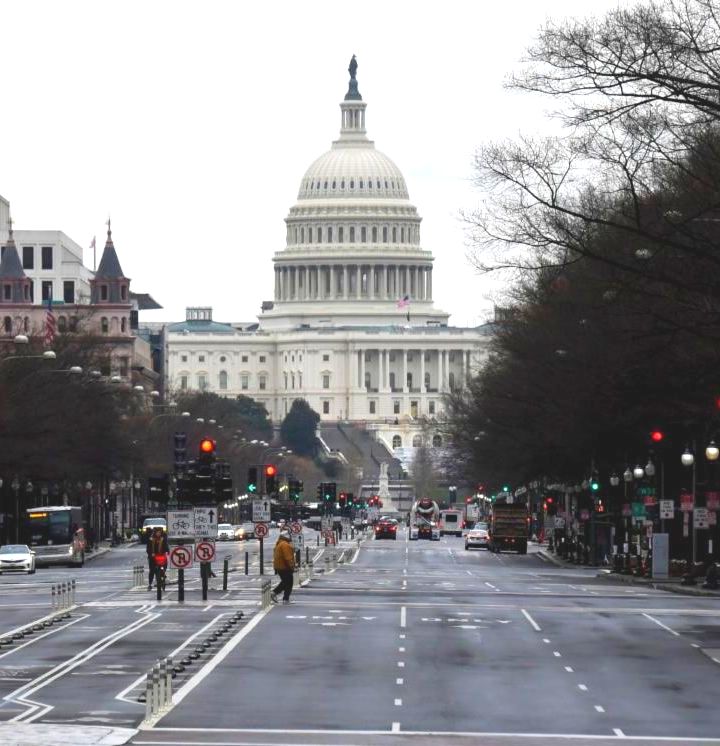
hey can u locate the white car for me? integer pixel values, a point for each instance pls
(17, 558)
(226, 532)
(477, 536)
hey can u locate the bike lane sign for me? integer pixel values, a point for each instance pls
(181, 524)
(181, 557)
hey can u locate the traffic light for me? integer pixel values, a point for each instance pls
(295, 488)
(252, 480)
(320, 492)
(657, 436)
(202, 486)
(342, 499)
(594, 484)
(223, 481)
(180, 452)
(270, 472)
(329, 492)
(350, 499)
(206, 449)
(599, 506)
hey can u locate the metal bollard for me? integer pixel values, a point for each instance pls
(327, 563)
(149, 696)
(247, 563)
(226, 569)
(63, 595)
(53, 598)
(307, 555)
(162, 678)
(72, 594)
(265, 594)
(168, 681)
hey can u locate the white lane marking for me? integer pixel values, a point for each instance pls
(396, 727)
(545, 640)
(534, 624)
(401, 664)
(399, 682)
(355, 556)
(403, 617)
(660, 624)
(208, 607)
(599, 708)
(51, 631)
(401, 650)
(618, 733)
(404, 570)
(398, 703)
(569, 669)
(402, 637)
(582, 687)
(468, 572)
(557, 654)
(694, 645)
(404, 585)
(123, 694)
(219, 657)
(489, 585)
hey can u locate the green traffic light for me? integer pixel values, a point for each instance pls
(506, 488)
(594, 486)
(252, 488)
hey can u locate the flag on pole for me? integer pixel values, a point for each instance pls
(50, 326)
(405, 303)
(92, 246)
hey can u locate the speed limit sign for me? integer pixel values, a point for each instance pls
(261, 530)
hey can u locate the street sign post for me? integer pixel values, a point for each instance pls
(261, 511)
(181, 524)
(700, 518)
(181, 556)
(687, 502)
(296, 527)
(667, 509)
(261, 530)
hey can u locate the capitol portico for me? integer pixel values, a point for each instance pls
(352, 327)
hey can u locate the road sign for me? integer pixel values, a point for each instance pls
(298, 541)
(584, 515)
(181, 524)
(205, 523)
(687, 502)
(700, 518)
(181, 556)
(261, 530)
(205, 551)
(667, 509)
(472, 512)
(712, 500)
(326, 523)
(638, 510)
(261, 510)
(712, 518)
(296, 527)
(559, 522)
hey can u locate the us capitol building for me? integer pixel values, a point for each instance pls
(352, 328)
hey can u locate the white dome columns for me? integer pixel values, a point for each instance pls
(352, 125)
(362, 280)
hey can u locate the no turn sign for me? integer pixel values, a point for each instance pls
(296, 527)
(261, 530)
(205, 551)
(181, 557)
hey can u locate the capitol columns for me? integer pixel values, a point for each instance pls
(371, 282)
(345, 282)
(423, 389)
(405, 371)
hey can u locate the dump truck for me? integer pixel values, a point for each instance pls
(508, 527)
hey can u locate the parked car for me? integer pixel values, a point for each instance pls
(386, 528)
(17, 558)
(477, 536)
(225, 532)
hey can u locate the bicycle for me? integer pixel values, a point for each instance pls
(160, 570)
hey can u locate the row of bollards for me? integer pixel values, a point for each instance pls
(62, 595)
(265, 594)
(138, 576)
(158, 688)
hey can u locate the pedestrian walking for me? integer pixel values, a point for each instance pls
(157, 545)
(283, 564)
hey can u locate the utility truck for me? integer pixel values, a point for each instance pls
(508, 526)
(424, 516)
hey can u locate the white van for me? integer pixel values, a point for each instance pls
(451, 522)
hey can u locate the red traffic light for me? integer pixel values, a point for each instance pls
(270, 470)
(656, 436)
(207, 445)
(549, 500)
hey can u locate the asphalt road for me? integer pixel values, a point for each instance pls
(410, 642)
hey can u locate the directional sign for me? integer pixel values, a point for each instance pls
(261, 511)
(667, 509)
(181, 557)
(261, 530)
(700, 518)
(205, 551)
(205, 523)
(298, 541)
(181, 524)
(296, 527)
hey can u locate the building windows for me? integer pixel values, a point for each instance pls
(244, 381)
(363, 234)
(103, 292)
(330, 234)
(352, 234)
(341, 232)
(417, 441)
(374, 234)
(28, 257)
(201, 358)
(73, 323)
(402, 235)
(451, 381)
(437, 441)
(385, 234)
(286, 380)
(319, 234)
(392, 381)
(326, 358)
(124, 366)
(183, 383)
(123, 325)
(223, 380)
(396, 406)
(7, 292)
(326, 407)
(431, 407)
(47, 258)
(326, 380)
(223, 358)
(394, 235)
(409, 380)
(292, 380)
(372, 406)
(104, 325)
(244, 358)
(427, 381)
(183, 358)
(69, 291)
(47, 290)
(262, 358)
(262, 383)
(299, 380)
(202, 381)
(396, 441)
(7, 325)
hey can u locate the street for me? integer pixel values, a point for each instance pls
(420, 638)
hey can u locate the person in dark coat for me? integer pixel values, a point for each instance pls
(157, 544)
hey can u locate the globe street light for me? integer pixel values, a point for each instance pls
(638, 472)
(712, 451)
(628, 475)
(650, 468)
(687, 458)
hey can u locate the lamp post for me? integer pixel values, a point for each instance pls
(688, 459)
(16, 489)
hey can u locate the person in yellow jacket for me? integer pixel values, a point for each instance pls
(283, 564)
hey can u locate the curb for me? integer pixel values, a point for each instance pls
(552, 558)
(683, 590)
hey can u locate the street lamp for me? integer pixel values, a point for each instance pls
(614, 480)
(712, 451)
(638, 472)
(650, 468)
(628, 475)
(687, 458)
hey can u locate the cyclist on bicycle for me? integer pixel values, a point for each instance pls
(157, 546)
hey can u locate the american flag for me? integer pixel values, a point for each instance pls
(405, 303)
(50, 326)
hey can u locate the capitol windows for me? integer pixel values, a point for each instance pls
(385, 234)
(183, 383)
(352, 234)
(244, 358)
(244, 381)
(361, 183)
(201, 358)
(363, 234)
(431, 407)
(394, 234)
(374, 234)
(319, 235)
(123, 324)
(325, 185)
(202, 382)
(183, 358)
(262, 358)
(262, 382)
(104, 325)
(427, 381)
(330, 234)
(437, 441)
(326, 407)
(392, 381)
(378, 183)
(292, 380)
(342, 184)
(372, 406)
(62, 324)
(302, 235)
(396, 406)
(286, 380)
(417, 441)
(326, 380)
(223, 359)
(369, 183)
(334, 186)
(396, 441)
(326, 358)
(223, 380)
(7, 325)
(402, 235)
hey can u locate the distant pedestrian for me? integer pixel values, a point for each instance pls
(283, 564)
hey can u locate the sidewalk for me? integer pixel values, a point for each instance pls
(41, 734)
(671, 585)
(103, 547)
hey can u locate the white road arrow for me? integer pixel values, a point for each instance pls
(503, 621)
(452, 619)
(369, 618)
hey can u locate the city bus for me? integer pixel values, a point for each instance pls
(56, 535)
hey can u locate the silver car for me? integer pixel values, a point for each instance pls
(17, 558)
(477, 536)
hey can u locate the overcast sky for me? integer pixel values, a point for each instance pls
(192, 124)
